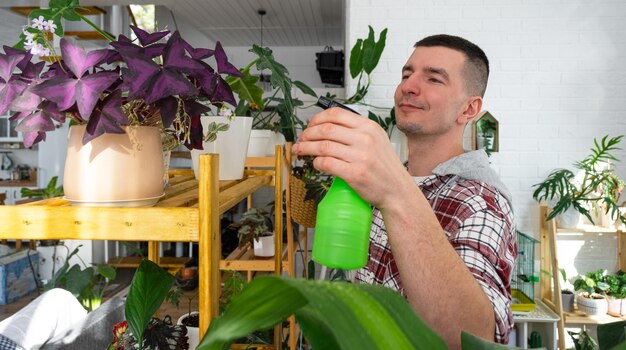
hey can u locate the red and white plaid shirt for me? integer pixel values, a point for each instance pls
(478, 221)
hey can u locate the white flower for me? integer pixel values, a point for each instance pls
(50, 25)
(45, 52)
(29, 36)
(225, 112)
(37, 49)
(39, 23)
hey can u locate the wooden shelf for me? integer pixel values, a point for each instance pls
(189, 212)
(578, 317)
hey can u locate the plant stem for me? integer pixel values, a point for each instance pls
(94, 26)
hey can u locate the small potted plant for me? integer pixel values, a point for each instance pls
(567, 292)
(256, 226)
(616, 294)
(592, 299)
(599, 188)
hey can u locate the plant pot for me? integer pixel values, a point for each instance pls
(264, 246)
(115, 169)
(231, 145)
(616, 307)
(193, 333)
(302, 212)
(567, 299)
(592, 306)
(261, 143)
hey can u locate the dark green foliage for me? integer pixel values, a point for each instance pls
(600, 185)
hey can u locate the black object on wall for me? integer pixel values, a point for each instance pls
(330, 65)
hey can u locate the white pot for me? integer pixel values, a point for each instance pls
(261, 143)
(114, 169)
(569, 219)
(231, 145)
(193, 333)
(592, 306)
(264, 246)
(617, 307)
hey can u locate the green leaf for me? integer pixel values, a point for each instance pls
(356, 59)
(106, 271)
(335, 315)
(245, 87)
(373, 50)
(305, 88)
(148, 289)
(76, 280)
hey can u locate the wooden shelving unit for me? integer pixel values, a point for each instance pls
(189, 212)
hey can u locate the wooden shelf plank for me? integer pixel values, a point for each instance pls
(133, 262)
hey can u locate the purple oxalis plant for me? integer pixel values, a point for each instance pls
(143, 83)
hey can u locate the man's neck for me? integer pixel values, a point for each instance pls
(426, 154)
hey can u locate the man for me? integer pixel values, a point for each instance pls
(452, 236)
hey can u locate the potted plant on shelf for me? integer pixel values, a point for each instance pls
(592, 299)
(616, 294)
(567, 292)
(256, 227)
(151, 285)
(598, 189)
(119, 93)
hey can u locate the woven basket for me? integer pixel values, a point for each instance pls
(302, 212)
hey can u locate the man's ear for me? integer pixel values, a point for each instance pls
(474, 104)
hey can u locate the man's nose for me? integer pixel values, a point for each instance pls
(410, 86)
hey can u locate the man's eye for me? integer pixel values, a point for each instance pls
(433, 80)
(404, 77)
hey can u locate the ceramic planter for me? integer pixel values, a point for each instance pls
(193, 333)
(260, 144)
(231, 145)
(568, 301)
(114, 169)
(264, 246)
(591, 306)
(617, 307)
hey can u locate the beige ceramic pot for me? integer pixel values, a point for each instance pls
(115, 169)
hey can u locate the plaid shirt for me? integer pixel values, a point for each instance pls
(8, 344)
(478, 221)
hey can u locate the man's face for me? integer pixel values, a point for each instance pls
(431, 95)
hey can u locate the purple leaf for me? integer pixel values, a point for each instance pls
(8, 64)
(31, 71)
(51, 111)
(8, 92)
(79, 61)
(31, 138)
(195, 134)
(148, 81)
(146, 38)
(175, 58)
(85, 91)
(26, 102)
(223, 66)
(107, 119)
(197, 54)
(12, 52)
(125, 45)
(168, 107)
(35, 122)
(223, 92)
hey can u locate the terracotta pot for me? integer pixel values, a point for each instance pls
(112, 169)
(617, 307)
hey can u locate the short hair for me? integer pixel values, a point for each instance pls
(476, 69)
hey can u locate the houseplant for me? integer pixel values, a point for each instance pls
(116, 91)
(256, 226)
(567, 292)
(599, 187)
(616, 294)
(364, 57)
(592, 299)
(141, 330)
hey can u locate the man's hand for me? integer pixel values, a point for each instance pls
(357, 150)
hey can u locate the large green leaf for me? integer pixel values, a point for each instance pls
(371, 61)
(148, 289)
(245, 87)
(304, 88)
(356, 60)
(264, 302)
(332, 315)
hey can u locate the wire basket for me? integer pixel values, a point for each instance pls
(303, 212)
(523, 278)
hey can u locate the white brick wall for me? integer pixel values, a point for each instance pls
(558, 77)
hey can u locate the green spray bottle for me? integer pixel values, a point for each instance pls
(342, 224)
